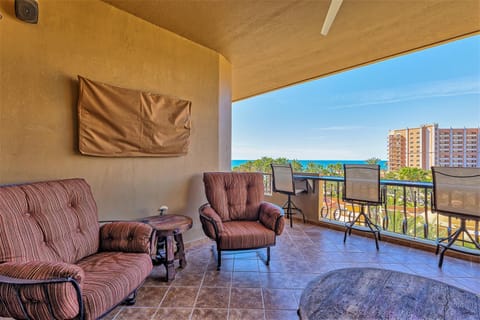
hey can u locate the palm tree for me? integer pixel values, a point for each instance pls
(334, 169)
(313, 167)
(373, 160)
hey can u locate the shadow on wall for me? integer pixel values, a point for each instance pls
(73, 89)
(195, 198)
(7, 8)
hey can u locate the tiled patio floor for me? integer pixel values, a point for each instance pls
(246, 288)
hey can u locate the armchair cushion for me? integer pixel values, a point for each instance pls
(126, 237)
(245, 235)
(35, 296)
(270, 217)
(234, 195)
(236, 207)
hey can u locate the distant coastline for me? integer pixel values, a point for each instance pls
(382, 163)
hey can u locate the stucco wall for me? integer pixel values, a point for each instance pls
(38, 94)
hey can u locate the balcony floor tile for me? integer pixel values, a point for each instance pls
(246, 288)
(252, 290)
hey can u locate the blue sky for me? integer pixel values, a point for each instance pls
(348, 115)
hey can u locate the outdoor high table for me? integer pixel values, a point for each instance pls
(329, 189)
(399, 183)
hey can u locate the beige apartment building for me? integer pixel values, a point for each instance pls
(429, 145)
(458, 147)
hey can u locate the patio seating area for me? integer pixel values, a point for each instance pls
(169, 72)
(246, 288)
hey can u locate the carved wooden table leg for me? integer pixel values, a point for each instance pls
(170, 258)
(180, 250)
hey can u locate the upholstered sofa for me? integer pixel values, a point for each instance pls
(236, 216)
(57, 262)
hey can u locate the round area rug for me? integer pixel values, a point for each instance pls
(368, 293)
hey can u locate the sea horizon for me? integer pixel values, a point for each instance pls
(383, 163)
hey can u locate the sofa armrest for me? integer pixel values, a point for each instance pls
(40, 270)
(271, 216)
(42, 290)
(212, 224)
(126, 237)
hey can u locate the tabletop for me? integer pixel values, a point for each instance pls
(169, 223)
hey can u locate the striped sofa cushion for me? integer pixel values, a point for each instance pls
(110, 277)
(48, 221)
(36, 297)
(50, 230)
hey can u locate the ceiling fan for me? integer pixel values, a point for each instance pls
(331, 14)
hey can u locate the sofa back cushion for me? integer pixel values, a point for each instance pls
(48, 221)
(234, 195)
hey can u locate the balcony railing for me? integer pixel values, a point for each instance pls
(407, 211)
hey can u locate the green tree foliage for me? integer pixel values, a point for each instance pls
(263, 165)
(297, 166)
(335, 169)
(314, 168)
(410, 174)
(373, 160)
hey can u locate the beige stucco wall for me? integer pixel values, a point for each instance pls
(38, 95)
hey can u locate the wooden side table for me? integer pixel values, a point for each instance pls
(170, 228)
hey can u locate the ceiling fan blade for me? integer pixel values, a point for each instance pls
(331, 14)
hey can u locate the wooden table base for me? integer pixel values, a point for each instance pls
(169, 229)
(172, 242)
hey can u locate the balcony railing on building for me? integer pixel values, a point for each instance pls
(407, 212)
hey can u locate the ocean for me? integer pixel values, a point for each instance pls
(382, 163)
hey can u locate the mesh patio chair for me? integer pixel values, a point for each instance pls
(456, 193)
(284, 183)
(362, 187)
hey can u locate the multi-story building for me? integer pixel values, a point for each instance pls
(429, 145)
(397, 149)
(412, 147)
(458, 147)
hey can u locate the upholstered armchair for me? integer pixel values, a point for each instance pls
(57, 262)
(236, 216)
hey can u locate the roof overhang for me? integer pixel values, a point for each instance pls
(276, 43)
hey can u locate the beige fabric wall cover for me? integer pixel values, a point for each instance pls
(118, 122)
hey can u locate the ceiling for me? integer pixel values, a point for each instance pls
(276, 43)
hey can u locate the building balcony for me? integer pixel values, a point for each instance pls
(406, 217)
(246, 288)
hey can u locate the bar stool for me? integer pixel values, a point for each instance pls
(362, 187)
(456, 193)
(284, 183)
